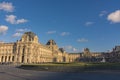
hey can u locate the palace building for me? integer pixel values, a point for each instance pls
(29, 50)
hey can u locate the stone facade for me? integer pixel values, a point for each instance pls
(29, 50)
(85, 56)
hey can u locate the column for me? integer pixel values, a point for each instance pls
(25, 59)
(20, 54)
(29, 60)
(25, 55)
(11, 58)
(19, 58)
(0, 58)
(15, 58)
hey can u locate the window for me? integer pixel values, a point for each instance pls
(12, 58)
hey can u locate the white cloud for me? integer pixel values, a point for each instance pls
(89, 23)
(75, 50)
(70, 48)
(82, 40)
(17, 34)
(6, 6)
(114, 17)
(22, 30)
(21, 21)
(103, 13)
(51, 32)
(13, 19)
(3, 29)
(65, 33)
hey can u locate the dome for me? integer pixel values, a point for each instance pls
(29, 36)
(62, 50)
(86, 49)
(51, 42)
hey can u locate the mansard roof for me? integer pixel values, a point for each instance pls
(30, 34)
(62, 50)
(51, 42)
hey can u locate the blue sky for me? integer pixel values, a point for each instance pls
(73, 24)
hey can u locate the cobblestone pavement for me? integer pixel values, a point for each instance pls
(9, 72)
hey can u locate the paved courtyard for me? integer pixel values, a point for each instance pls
(9, 72)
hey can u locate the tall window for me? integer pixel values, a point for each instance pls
(9, 58)
(23, 50)
(12, 58)
(2, 59)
